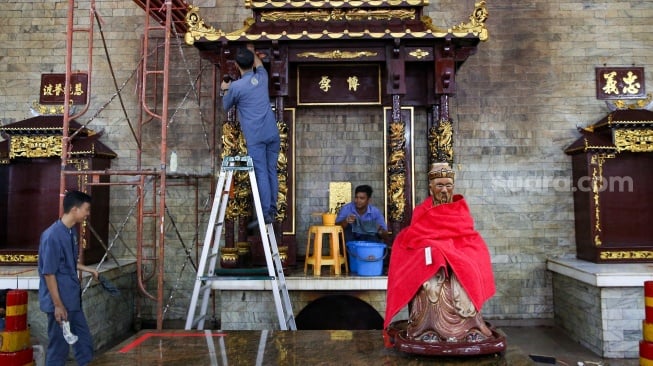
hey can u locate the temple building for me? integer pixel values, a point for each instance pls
(539, 108)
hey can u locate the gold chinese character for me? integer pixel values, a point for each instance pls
(325, 83)
(353, 83)
(58, 89)
(78, 89)
(632, 86)
(47, 89)
(610, 83)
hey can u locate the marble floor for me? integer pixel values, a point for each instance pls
(307, 347)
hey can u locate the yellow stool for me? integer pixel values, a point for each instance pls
(336, 258)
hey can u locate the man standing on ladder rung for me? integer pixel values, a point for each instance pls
(252, 100)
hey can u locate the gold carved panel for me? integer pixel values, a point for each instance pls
(35, 146)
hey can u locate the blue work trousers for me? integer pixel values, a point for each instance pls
(58, 348)
(264, 156)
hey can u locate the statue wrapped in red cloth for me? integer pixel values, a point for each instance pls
(440, 265)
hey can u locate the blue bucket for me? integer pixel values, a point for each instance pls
(353, 262)
(369, 258)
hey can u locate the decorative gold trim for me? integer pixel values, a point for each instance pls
(440, 142)
(48, 110)
(197, 29)
(19, 258)
(28, 146)
(293, 219)
(282, 172)
(634, 140)
(419, 53)
(394, 152)
(249, 4)
(338, 54)
(635, 104)
(476, 24)
(338, 15)
(596, 162)
(626, 254)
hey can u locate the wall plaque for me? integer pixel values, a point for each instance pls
(52, 88)
(620, 83)
(350, 84)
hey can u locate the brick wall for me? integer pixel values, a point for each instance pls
(518, 103)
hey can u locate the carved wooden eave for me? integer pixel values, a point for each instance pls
(336, 20)
(621, 130)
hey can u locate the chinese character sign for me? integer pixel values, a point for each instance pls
(52, 88)
(620, 83)
(339, 84)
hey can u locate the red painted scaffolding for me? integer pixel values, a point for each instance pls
(163, 18)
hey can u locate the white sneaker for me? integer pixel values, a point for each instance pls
(68, 336)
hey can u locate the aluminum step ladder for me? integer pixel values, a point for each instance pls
(206, 273)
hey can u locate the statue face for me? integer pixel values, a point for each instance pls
(441, 190)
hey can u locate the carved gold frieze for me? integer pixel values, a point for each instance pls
(634, 140)
(331, 3)
(338, 54)
(282, 171)
(476, 24)
(626, 254)
(19, 258)
(397, 170)
(45, 110)
(419, 53)
(596, 162)
(338, 15)
(197, 28)
(34, 146)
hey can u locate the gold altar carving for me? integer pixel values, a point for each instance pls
(48, 109)
(634, 140)
(249, 4)
(397, 171)
(636, 104)
(338, 54)
(282, 172)
(233, 144)
(19, 258)
(627, 254)
(440, 142)
(476, 24)
(419, 53)
(597, 162)
(28, 146)
(338, 15)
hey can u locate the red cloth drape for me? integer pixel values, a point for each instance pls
(448, 229)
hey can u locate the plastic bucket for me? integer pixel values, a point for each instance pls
(369, 257)
(353, 261)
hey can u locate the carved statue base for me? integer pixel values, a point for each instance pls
(496, 343)
(444, 321)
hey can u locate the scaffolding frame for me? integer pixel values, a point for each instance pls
(168, 16)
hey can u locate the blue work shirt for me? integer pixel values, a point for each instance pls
(58, 252)
(250, 96)
(372, 214)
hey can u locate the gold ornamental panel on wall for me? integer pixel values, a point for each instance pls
(35, 146)
(633, 140)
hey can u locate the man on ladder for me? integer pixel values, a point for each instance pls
(252, 100)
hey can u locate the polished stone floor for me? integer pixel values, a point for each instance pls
(307, 347)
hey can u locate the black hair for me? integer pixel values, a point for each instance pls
(74, 199)
(365, 189)
(245, 58)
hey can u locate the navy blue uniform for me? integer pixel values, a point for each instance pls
(58, 252)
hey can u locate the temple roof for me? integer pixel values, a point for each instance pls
(599, 135)
(337, 20)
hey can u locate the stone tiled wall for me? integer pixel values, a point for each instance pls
(519, 101)
(606, 320)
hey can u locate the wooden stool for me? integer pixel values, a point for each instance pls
(336, 256)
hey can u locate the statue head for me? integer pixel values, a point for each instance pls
(441, 183)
